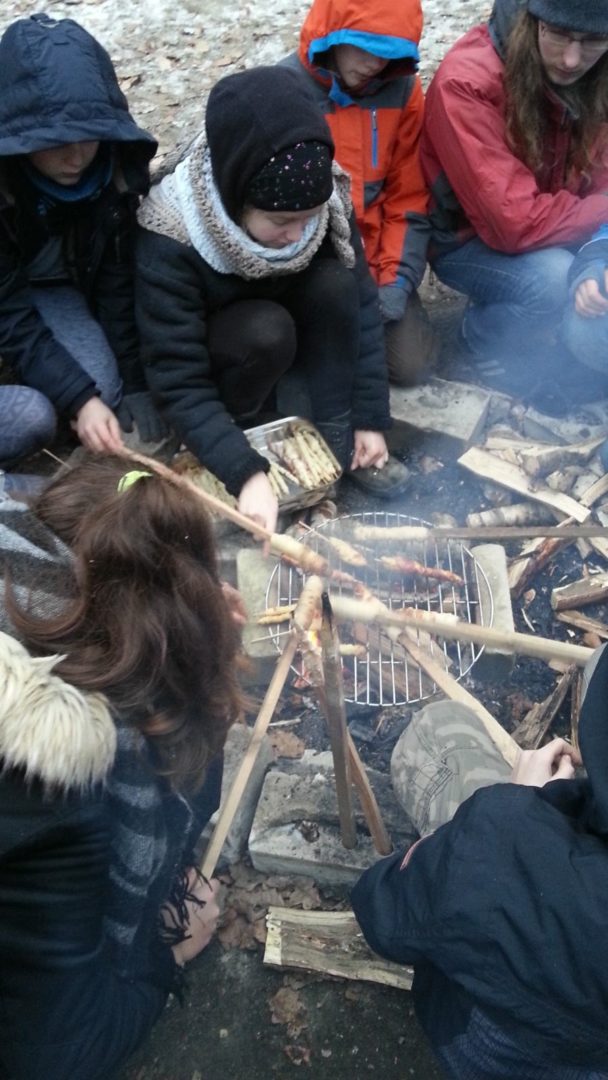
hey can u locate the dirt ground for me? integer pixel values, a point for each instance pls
(241, 1019)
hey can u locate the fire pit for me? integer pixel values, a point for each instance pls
(434, 576)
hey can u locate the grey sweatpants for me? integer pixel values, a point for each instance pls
(28, 419)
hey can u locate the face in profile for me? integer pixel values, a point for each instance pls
(64, 164)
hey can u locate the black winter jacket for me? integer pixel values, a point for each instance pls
(176, 293)
(57, 86)
(505, 908)
(250, 117)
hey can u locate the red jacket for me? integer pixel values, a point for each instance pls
(376, 134)
(478, 185)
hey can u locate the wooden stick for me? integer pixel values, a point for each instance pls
(331, 696)
(239, 783)
(369, 804)
(347, 609)
(280, 544)
(398, 533)
(456, 692)
(330, 942)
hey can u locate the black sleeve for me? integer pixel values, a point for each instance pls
(27, 344)
(64, 1012)
(114, 293)
(371, 411)
(171, 314)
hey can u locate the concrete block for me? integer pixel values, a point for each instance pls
(238, 834)
(296, 831)
(456, 411)
(494, 665)
(252, 573)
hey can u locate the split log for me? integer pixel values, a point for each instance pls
(531, 731)
(588, 590)
(487, 465)
(583, 622)
(330, 942)
(541, 460)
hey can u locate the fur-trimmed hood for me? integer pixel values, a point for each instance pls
(49, 729)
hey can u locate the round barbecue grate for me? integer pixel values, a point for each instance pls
(386, 675)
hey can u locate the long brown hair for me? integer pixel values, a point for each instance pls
(149, 625)
(526, 102)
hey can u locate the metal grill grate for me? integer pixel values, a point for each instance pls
(386, 675)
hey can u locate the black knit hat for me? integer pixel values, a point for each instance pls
(257, 115)
(296, 179)
(582, 16)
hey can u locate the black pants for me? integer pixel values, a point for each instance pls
(313, 328)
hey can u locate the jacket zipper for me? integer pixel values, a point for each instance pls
(374, 139)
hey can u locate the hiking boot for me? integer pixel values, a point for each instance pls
(385, 483)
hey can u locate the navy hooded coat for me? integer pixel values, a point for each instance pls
(58, 86)
(504, 908)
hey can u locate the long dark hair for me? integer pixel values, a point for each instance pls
(149, 625)
(526, 102)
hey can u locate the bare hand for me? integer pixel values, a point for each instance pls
(370, 449)
(555, 761)
(235, 603)
(588, 300)
(97, 427)
(202, 921)
(258, 501)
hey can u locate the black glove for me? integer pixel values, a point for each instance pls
(139, 409)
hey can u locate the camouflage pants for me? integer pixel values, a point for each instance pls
(442, 757)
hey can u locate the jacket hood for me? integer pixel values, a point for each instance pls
(49, 729)
(593, 738)
(251, 116)
(385, 29)
(57, 86)
(504, 14)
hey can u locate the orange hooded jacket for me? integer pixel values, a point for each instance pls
(377, 132)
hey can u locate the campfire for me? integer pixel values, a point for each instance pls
(368, 559)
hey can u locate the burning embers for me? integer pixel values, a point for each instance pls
(383, 571)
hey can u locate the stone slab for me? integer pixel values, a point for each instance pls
(238, 834)
(494, 665)
(454, 410)
(296, 831)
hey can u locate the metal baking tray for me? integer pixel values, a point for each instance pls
(273, 440)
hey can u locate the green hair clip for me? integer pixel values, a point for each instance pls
(131, 478)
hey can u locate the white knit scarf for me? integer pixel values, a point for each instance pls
(187, 207)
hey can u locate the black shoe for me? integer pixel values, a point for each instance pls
(391, 480)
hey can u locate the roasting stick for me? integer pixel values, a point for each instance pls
(280, 544)
(403, 533)
(305, 610)
(347, 609)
